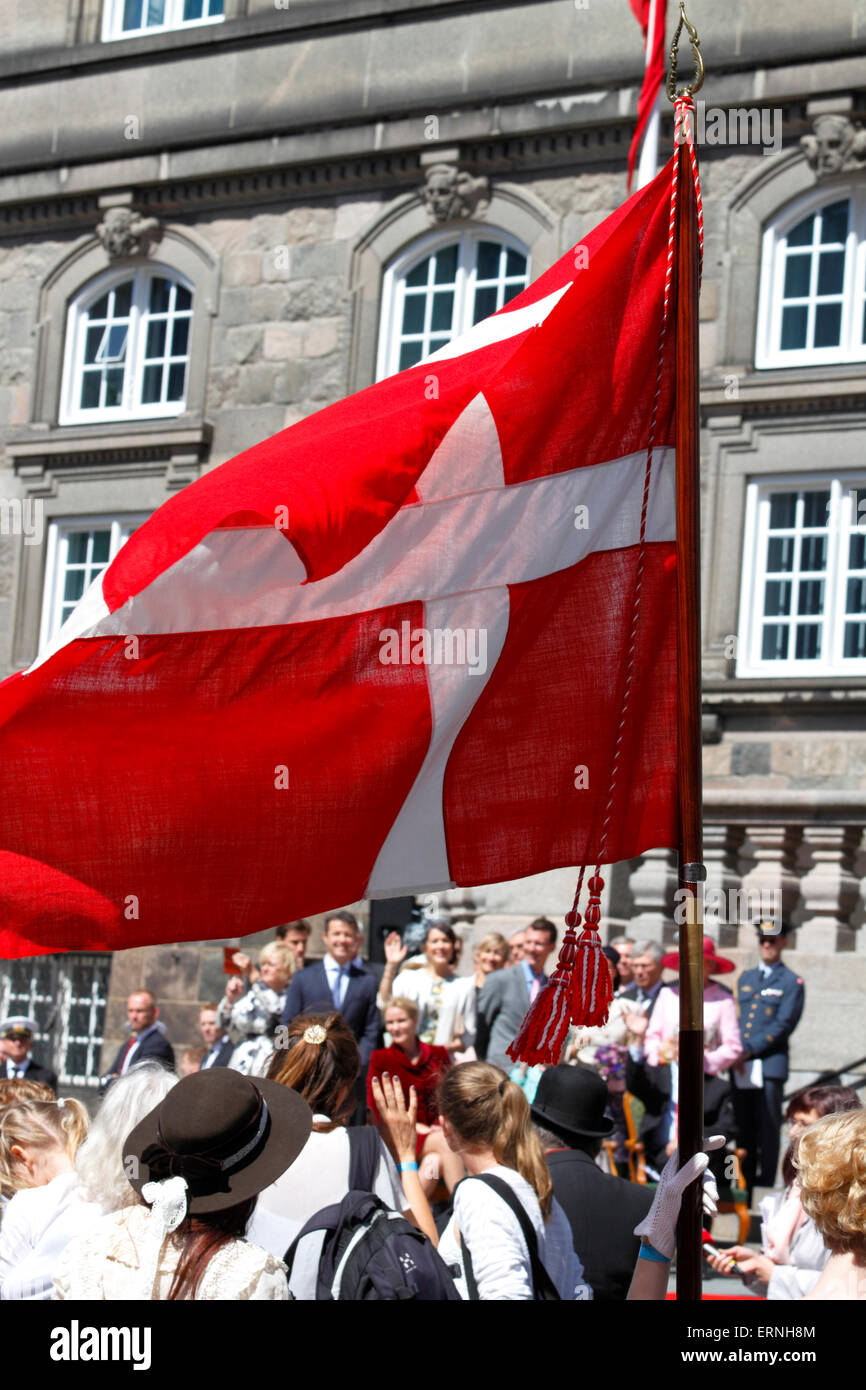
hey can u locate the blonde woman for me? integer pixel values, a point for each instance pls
(831, 1171)
(256, 1015)
(38, 1144)
(487, 1123)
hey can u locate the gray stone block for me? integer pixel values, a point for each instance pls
(750, 759)
(316, 261)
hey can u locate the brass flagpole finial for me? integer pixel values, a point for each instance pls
(698, 80)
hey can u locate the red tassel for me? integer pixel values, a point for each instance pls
(592, 985)
(545, 1027)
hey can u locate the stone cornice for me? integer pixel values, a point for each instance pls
(727, 396)
(755, 804)
(129, 442)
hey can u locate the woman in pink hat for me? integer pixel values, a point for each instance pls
(722, 1043)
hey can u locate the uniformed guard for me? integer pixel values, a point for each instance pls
(16, 1040)
(771, 1001)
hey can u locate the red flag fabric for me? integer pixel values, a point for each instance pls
(654, 72)
(381, 652)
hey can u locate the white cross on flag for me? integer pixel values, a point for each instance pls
(381, 652)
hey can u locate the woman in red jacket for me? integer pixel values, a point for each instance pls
(420, 1065)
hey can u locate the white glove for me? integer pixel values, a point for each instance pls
(659, 1226)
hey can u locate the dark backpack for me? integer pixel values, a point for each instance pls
(369, 1252)
(544, 1289)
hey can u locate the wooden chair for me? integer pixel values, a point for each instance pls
(735, 1197)
(633, 1111)
(609, 1146)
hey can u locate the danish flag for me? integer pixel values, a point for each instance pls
(379, 653)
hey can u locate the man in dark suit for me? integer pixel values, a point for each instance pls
(146, 1041)
(507, 994)
(603, 1211)
(339, 982)
(646, 966)
(16, 1034)
(218, 1043)
(771, 999)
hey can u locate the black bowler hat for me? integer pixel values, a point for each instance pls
(571, 1102)
(767, 929)
(228, 1135)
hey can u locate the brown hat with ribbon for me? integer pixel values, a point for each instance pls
(226, 1135)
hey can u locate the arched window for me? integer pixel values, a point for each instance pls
(127, 348)
(813, 284)
(441, 287)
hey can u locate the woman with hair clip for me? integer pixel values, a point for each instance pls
(318, 1057)
(38, 1144)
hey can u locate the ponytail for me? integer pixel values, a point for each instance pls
(38, 1125)
(486, 1110)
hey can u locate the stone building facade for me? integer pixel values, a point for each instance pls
(266, 178)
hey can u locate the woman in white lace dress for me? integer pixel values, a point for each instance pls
(198, 1162)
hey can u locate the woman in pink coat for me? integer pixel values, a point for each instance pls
(722, 1042)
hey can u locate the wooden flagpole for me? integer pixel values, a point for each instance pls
(689, 769)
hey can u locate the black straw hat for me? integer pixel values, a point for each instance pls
(571, 1101)
(229, 1136)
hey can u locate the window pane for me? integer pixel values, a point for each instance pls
(101, 543)
(780, 555)
(777, 599)
(122, 299)
(76, 547)
(774, 644)
(90, 390)
(410, 353)
(793, 328)
(808, 644)
(828, 325)
(114, 343)
(855, 640)
(92, 341)
(797, 277)
(446, 265)
(801, 235)
(413, 313)
(132, 14)
(488, 260)
(180, 338)
(857, 553)
(155, 346)
(437, 343)
(485, 303)
(160, 291)
(418, 276)
(155, 12)
(192, 9)
(831, 267)
(515, 263)
(151, 385)
(810, 601)
(834, 222)
(511, 292)
(443, 310)
(73, 586)
(856, 596)
(816, 508)
(182, 298)
(813, 554)
(114, 386)
(99, 310)
(176, 379)
(783, 512)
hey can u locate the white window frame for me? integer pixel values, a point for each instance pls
(391, 318)
(131, 407)
(842, 521)
(768, 353)
(122, 525)
(112, 19)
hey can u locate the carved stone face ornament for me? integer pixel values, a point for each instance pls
(450, 194)
(124, 232)
(837, 145)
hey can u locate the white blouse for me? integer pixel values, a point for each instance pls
(442, 1005)
(38, 1224)
(500, 1258)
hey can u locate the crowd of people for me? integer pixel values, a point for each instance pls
(317, 1082)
